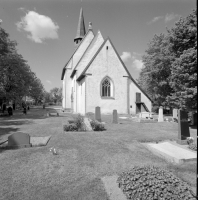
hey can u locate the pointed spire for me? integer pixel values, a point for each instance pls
(81, 28)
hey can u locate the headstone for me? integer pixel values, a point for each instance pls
(57, 114)
(175, 113)
(98, 114)
(19, 140)
(87, 124)
(160, 115)
(115, 117)
(183, 127)
(194, 119)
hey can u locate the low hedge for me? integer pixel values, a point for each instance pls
(97, 126)
(150, 183)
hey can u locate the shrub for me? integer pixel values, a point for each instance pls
(97, 126)
(151, 182)
(70, 127)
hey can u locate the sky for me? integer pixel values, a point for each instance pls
(45, 29)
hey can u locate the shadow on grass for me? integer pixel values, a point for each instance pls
(6, 131)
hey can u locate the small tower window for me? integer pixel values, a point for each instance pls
(107, 47)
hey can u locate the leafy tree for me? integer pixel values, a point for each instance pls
(17, 80)
(170, 73)
(183, 40)
(56, 94)
(155, 76)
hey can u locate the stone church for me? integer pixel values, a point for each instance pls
(95, 75)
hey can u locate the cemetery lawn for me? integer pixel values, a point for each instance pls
(83, 157)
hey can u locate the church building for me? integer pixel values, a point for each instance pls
(95, 75)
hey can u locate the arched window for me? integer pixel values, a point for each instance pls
(107, 87)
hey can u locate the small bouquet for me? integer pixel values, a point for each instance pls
(190, 140)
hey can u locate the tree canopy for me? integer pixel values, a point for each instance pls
(170, 73)
(17, 79)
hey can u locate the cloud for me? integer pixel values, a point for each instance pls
(134, 59)
(155, 19)
(126, 56)
(39, 27)
(49, 82)
(138, 64)
(170, 17)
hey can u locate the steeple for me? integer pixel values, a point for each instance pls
(81, 28)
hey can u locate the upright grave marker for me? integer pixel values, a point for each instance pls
(115, 117)
(160, 115)
(19, 140)
(183, 127)
(175, 113)
(98, 114)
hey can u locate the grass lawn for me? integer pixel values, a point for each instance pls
(83, 157)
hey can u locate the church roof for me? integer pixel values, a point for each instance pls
(81, 26)
(64, 68)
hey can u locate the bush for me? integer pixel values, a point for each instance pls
(151, 182)
(97, 126)
(70, 127)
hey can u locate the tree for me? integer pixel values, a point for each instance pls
(56, 94)
(183, 40)
(17, 80)
(155, 76)
(170, 73)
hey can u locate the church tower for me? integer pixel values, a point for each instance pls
(80, 30)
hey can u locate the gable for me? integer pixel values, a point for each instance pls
(76, 56)
(82, 74)
(88, 54)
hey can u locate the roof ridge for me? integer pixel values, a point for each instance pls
(88, 48)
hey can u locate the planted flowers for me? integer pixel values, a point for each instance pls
(149, 182)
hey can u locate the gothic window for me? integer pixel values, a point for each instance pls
(106, 88)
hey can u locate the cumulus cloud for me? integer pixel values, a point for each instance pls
(134, 59)
(39, 27)
(155, 19)
(138, 64)
(49, 82)
(126, 56)
(170, 17)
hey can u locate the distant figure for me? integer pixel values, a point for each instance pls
(10, 111)
(24, 110)
(28, 108)
(43, 106)
(4, 107)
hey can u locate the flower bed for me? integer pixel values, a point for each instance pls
(151, 182)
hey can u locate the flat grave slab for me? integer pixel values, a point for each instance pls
(171, 152)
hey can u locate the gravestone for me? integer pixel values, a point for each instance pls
(175, 113)
(19, 140)
(115, 117)
(57, 114)
(160, 115)
(194, 119)
(87, 124)
(98, 114)
(183, 127)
